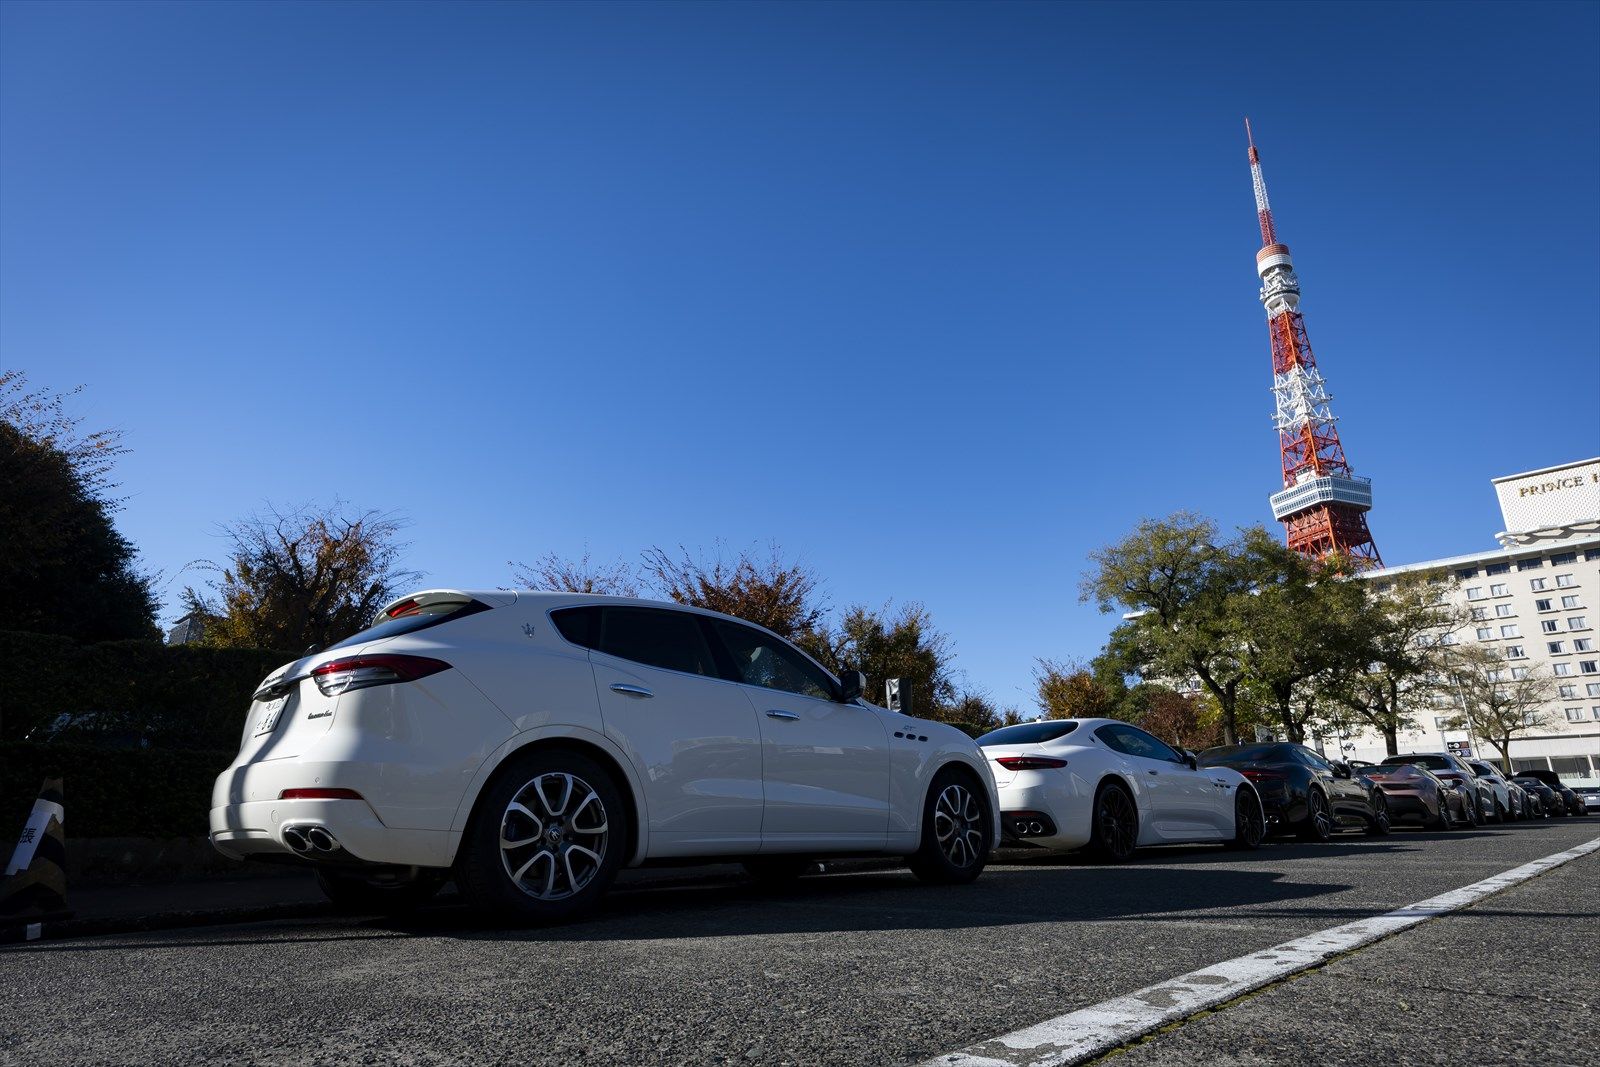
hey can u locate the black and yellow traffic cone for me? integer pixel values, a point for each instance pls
(34, 890)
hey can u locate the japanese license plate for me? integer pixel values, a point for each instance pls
(269, 715)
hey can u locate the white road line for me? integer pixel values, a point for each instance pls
(1093, 1031)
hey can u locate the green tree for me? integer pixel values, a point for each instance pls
(64, 568)
(1177, 586)
(892, 643)
(1295, 624)
(1398, 648)
(298, 579)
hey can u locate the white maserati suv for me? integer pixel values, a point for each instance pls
(534, 743)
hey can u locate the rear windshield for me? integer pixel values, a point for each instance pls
(1433, 763)
(409, 617)
(1029, 733)
(1228, 754)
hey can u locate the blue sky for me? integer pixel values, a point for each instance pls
(937, 297)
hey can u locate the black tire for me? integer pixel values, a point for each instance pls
(1249, 821)
(1115, 833)
(1447, 818)
(585, 826)
(1469, 808)
(778, 870)
(387, 893)
(1318, 824)
(1379, 824)
(1499, 812)
(957, 830)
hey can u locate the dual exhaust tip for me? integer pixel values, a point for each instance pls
(1028, 827)
(305, 840)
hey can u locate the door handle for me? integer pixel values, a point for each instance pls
(1152, 772)
(789, 715)
(631, 690)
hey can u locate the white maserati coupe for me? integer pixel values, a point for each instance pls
(531, 744)
(1110, 787)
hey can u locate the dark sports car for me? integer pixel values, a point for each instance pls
(1302, 792)
(1572, 801)
(1454, 770)
(1550, 804)
(1416, 793)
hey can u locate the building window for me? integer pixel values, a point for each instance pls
(1574, 714)
(1567, 692)
(1556, 647)
(1564, 581)
(1467, 572)
(1591, 555)
(1518, 673)
(1515, 652)
(1583, 644)
(1562, 670)
(1440, 722)
(1570, 602)
(1530, 718)
(1577, 622)
(1549, 626)
(1529, 564)
(1485, 633)
(1589, 666)
(1424, 640)
(1497, 568)
(1595, 711)
(1504, 611)
(1543, 605)
(1497, 676)
(1510, 630)
(1501, 589)
(1447, 639)
(1563, 557)
(1537, 584)
(1474, 592)
(1592, 689)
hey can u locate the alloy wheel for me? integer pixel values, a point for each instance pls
(1380, 815)
(1250, 823)
(553, 836)
(1318, 815)
(1118, 822)
(958, 825)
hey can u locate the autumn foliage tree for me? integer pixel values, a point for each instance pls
(299, 579)
(558, 574)
(767, 590)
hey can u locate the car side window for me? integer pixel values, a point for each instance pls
(656, 637)
(1316, 762)
(581, 626)
(1135, 742)
(768, 662)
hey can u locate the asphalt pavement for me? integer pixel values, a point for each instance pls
(862, 967)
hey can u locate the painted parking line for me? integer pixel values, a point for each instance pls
(1090, 1032)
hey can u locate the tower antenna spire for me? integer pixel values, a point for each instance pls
(1323, 505)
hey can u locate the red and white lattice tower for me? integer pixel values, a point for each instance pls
(1323, 506)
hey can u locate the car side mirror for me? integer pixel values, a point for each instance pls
(851, 685)
(1190, 759)
(1341, 769)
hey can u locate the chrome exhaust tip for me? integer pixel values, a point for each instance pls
(321, 840)
(295, 838)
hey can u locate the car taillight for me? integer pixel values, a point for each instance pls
(319, 794)
(362, 672)
(1262, 776)
(1029, 763)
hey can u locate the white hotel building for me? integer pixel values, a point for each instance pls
(1537, 600)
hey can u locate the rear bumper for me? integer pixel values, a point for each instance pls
(257, 828)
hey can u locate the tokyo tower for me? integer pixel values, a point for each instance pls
(1323, 505)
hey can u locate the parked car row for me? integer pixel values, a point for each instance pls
(530, 745)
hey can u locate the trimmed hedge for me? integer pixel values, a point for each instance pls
(111, 793)
(176, 696)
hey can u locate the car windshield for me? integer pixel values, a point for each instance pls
(1482, 770)
(1228, 755)
(1029, 733)
(1433, 763)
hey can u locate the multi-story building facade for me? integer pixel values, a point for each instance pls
(1536, 600)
